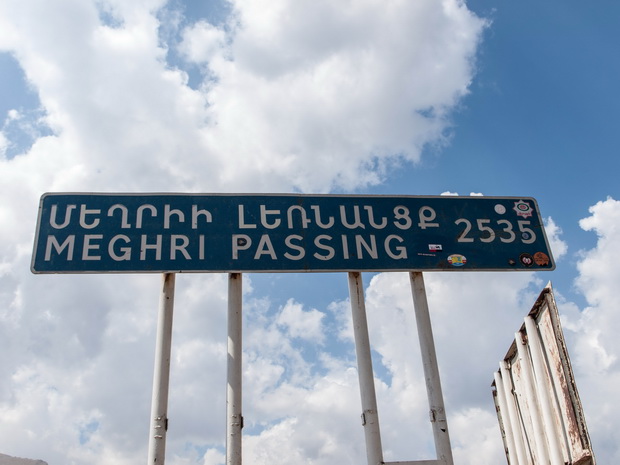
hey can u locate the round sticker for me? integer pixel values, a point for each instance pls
(500, 209)
(523, 209)
(541, 259)
(526, 259)
(457, 260)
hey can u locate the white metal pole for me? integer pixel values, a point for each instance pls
(161, 375)
(431, 370)
(532, 400)
(555, 449)
(370, 414)
(234, 418)
(506, 421)
(515, 418)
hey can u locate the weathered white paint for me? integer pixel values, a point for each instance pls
(370, 414)
(431, 370)
(161, 375)
(549, 417)
(234, 418)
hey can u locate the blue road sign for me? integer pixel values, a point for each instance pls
(135, 233)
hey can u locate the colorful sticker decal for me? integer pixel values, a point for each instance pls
(523, 209)
(500, 209)
(457, 260)
(526, 259)
(541, 259)
(435, 247)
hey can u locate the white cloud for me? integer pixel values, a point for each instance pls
(13, 115)
(476, 444)
(558, 246)
(4, 144)
(334, 87)
(214, 457)
(314, 84)
(301, 324)
(456, 194)
(202, 42)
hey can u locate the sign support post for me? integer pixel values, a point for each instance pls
(431, 370)
(234, 418)
(370, 415)
(161, 375)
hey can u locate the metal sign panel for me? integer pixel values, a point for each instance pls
(538, 406)
(128, 233)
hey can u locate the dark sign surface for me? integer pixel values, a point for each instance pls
(131, 233)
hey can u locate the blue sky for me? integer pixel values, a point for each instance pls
(498, 98)
(540, 118)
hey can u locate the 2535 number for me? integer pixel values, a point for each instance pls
(504, 231)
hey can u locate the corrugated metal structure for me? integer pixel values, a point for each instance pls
(538, 406)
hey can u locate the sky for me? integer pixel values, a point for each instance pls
(281, 96)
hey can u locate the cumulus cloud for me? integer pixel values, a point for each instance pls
(301, 324)
(340, 87)
(558, 246)
(202, 42)
(597, 351)
(4, 144)
(289, 86)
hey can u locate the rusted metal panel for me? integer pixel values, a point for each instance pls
(564, 438)
(501, 423)
(516, 370)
